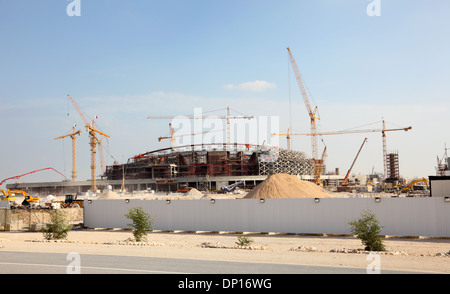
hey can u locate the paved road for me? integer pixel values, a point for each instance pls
(61, 263)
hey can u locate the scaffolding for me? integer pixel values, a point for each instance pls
(211, 160)
(285, 161)
(393, 172)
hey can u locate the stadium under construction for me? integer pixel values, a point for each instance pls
(206, 167)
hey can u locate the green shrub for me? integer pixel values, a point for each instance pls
(141, 223)
(58, 228)
(367, 229)
(244, 241)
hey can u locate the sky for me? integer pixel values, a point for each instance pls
(122, 61)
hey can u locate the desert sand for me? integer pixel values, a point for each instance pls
(415, 255)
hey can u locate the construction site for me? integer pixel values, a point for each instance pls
(224, 168)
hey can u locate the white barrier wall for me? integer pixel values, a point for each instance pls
(428, 216)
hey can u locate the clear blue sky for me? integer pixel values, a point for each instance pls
(125, 60)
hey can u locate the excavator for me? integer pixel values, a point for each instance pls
(10, 195)
(412, 185)
(7, 196)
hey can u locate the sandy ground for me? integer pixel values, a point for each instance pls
(416, 255)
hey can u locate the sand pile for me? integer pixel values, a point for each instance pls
(287, 186)
(194, 192)
(108, 194)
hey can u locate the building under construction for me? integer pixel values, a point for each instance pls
(209, 166)
(206, 167)
(393, 172)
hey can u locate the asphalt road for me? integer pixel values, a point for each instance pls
(60, 263)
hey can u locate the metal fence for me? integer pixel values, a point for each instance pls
(427, 216)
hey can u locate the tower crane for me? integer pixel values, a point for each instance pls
(312, 116)
(383, 131)
(94, 140)
(228, 117)
(173, 136)
(322, 161)
(74, 160)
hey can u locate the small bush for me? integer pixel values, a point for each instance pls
(58, 228)
(244, 241)
(141, 223)
(367, 229)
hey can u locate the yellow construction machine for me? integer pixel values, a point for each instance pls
(7, 196)
(412, 185)
(27, 197)
(71, 201)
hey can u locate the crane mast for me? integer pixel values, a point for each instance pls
(383, 132)
(173, 136)
(227, 118)
(74, 155)
(93, 141)
(312, 116)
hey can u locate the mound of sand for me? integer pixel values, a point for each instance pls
(194, 192)
(287, 186)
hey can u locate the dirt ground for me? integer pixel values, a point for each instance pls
(416, 255)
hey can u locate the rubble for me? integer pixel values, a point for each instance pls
(304, 248)
(361, 251)
(131, 241)
(220, 245)
(443, 254)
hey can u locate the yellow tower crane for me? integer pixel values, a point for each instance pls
(228, 117)
(383, 131)
(317, 163)
(74, 152)
(94, 140)
(173, 137)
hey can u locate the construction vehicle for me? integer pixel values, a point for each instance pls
(28, 199)
(344, 185)
(38, 170)
(7, 196)
(231, 188)
(412, 185)
(72, 201)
